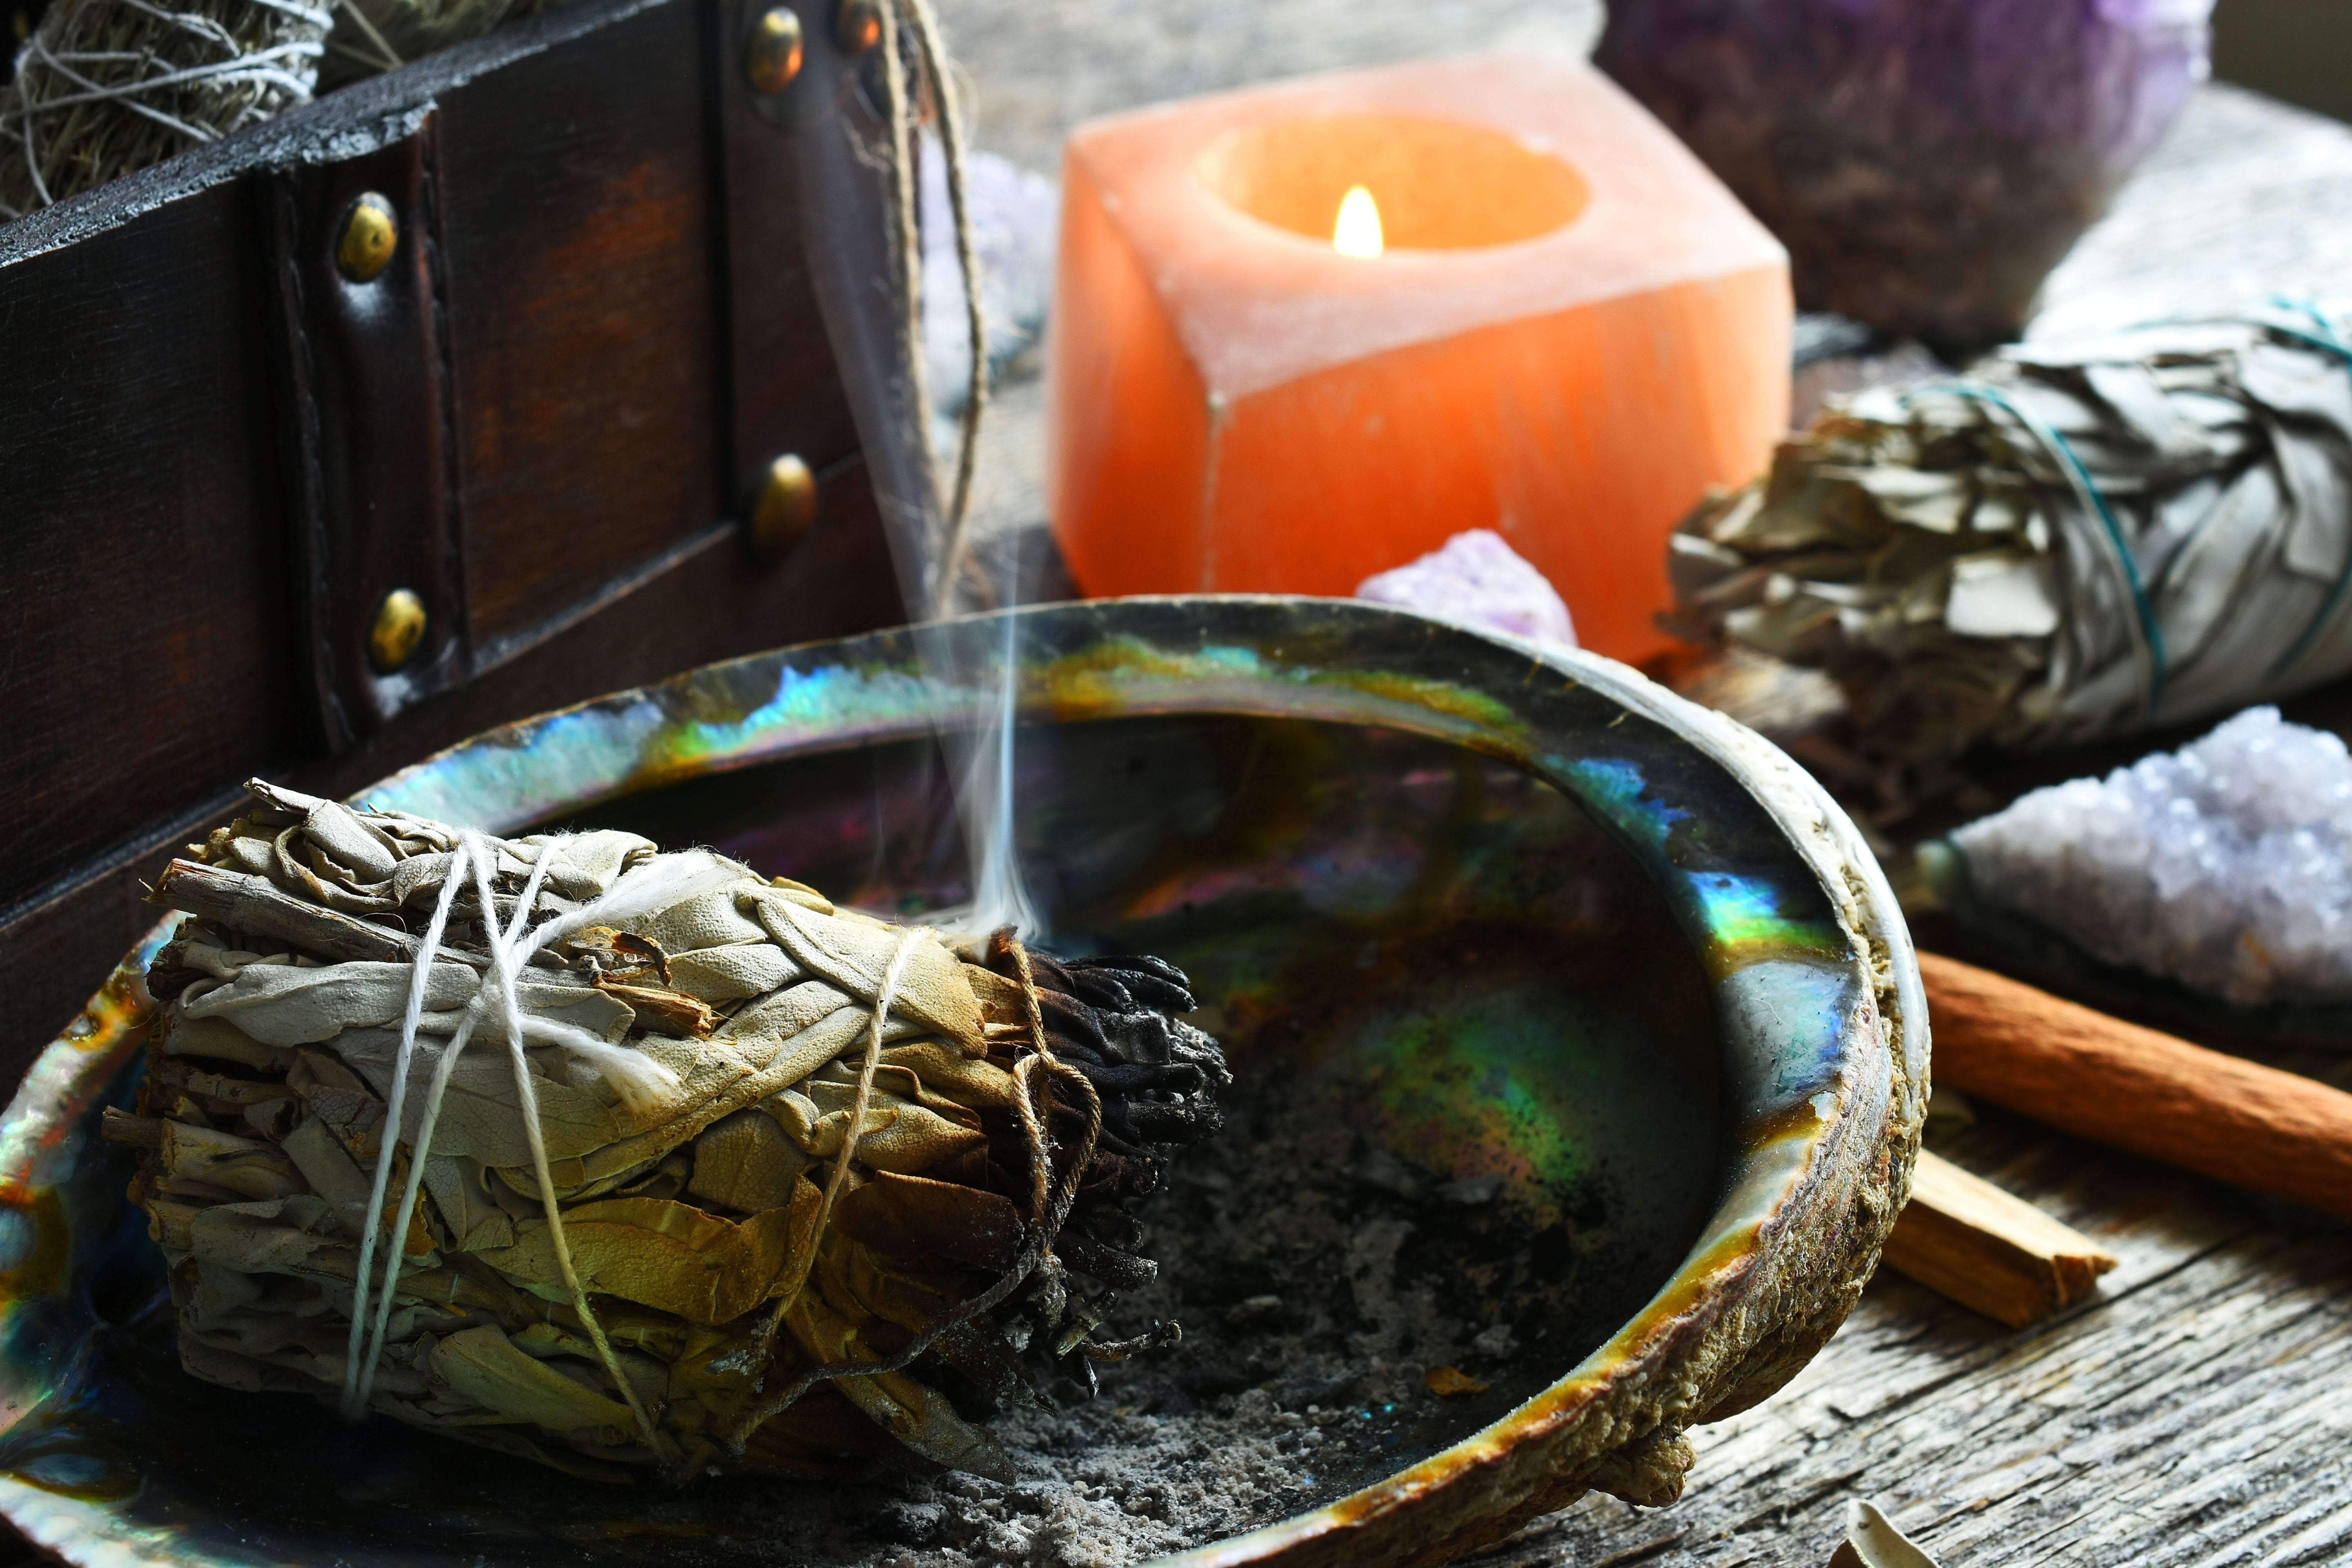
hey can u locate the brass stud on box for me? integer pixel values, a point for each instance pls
(785, 510)
(370, 233)
(773, 56)
(857, 26)
(398, 629)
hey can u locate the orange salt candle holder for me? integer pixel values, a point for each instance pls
(1307, 332)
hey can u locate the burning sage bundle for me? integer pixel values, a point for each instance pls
(627, 1161)
(2081, 543)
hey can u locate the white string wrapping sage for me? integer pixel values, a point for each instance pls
(641, 1083)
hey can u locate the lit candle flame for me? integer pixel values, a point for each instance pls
(1357, 232)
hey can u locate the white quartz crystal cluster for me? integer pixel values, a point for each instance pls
(2226, 865)
(1016, 218)
(1476, 578)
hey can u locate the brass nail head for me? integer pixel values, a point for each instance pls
(786, 507)
(370, 234)
(857, 26)
(399, 627)
(773, 58)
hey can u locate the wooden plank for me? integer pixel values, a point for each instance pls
(2199, 1399)
(584, 320)
(144, 532)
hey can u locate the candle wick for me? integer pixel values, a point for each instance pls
(1357, 231)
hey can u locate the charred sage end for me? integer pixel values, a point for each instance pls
(635, 1163)
(1114, 1022)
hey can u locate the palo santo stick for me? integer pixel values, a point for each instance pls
(1964, 1237)
(2117, 1083)
(1871, 1542)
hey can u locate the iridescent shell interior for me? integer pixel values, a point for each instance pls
(1516, 928)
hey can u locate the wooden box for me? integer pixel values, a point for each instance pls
(624, 284)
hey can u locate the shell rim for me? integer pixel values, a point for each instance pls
(1407, 1514)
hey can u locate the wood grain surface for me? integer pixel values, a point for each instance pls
(610, 267)
(2193, 1411)
(2197, 1409)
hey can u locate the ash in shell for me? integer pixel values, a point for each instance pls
(714, 1174)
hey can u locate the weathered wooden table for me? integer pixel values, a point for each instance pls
(2199, 1409)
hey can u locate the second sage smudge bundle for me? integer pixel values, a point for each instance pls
(2083, 542)
(728, 1177)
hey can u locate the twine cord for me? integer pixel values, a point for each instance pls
(498, 997)
(794, 1276)
(467, 857)
(796, 1272)
(385, 58)
(1007, 942)
(355, 1380)
(899, 113)
(1046, 1216)
(952, 553)
(503, 961)
(418, 1152)
(898, 117)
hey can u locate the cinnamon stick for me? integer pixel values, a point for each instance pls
(2135, 1088)
(1965, 1238)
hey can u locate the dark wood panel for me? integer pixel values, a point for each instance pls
(776, 334)
(579, 203)
(182, 380)
(144, 644)
(711, 601)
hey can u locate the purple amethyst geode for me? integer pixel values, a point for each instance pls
(1925, 162)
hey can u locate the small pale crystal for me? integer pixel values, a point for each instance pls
(1014, 217)
(1478, 579)
(2226, 865)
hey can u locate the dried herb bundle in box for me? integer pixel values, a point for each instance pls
(2080, 542)
(106, 87)
(631, 1162)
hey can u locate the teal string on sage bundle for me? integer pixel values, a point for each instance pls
(2079, 540)
(2327, 339)
(2110, 544)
